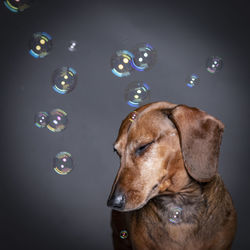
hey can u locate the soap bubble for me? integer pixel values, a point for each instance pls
(17, 5)
(144, 57)
(58, 120)
(214, 64)
(193, 80)
(72, 46)
(175, 215)
(40, 44)
(41, 119)
(64, 80)
(136, 93)
(121, 63)
(123, 234)
(63, 163)
(133, 116)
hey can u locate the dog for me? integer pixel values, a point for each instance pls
(167, 193)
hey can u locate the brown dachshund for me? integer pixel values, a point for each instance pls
(167, 193)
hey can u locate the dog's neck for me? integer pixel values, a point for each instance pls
(193, 200)
(189, 200)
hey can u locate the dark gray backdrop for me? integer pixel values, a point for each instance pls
(42, 210)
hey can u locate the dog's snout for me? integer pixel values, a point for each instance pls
(117, 200)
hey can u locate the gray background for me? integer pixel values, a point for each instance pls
(42, 210)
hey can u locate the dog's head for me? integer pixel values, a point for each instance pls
(161, 146)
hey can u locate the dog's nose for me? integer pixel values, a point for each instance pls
(117, 200)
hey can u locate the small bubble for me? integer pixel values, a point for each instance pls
(214, 64)
(18, 5)
(123, 234)
(121, 63)
(136, 93)
(63, 163)
(192, 80)
(133, 116)
(40, 44)
(64, 80)
(41, 119)
(58, 120)
(72, 47)
(175, 215)
(144, 57)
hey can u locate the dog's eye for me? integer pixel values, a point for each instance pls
(142, 149)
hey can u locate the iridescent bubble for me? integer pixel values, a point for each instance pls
(121, 63)
(64, 80)
(144, 57)
(18, 5)
(136, 93)
(58, 120)
(133, 116)
(41, 119)
(72, 46)
(193, 80)
(214, 64)
(63, 163)
(40, 44)
(175, 215)
(123, 234)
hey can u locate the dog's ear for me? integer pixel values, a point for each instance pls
(200, 137)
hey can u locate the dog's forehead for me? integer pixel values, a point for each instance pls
(143, 127)
(149, 125)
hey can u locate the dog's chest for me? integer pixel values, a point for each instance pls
(173, 224)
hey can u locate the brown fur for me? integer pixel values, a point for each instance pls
(177, 168)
